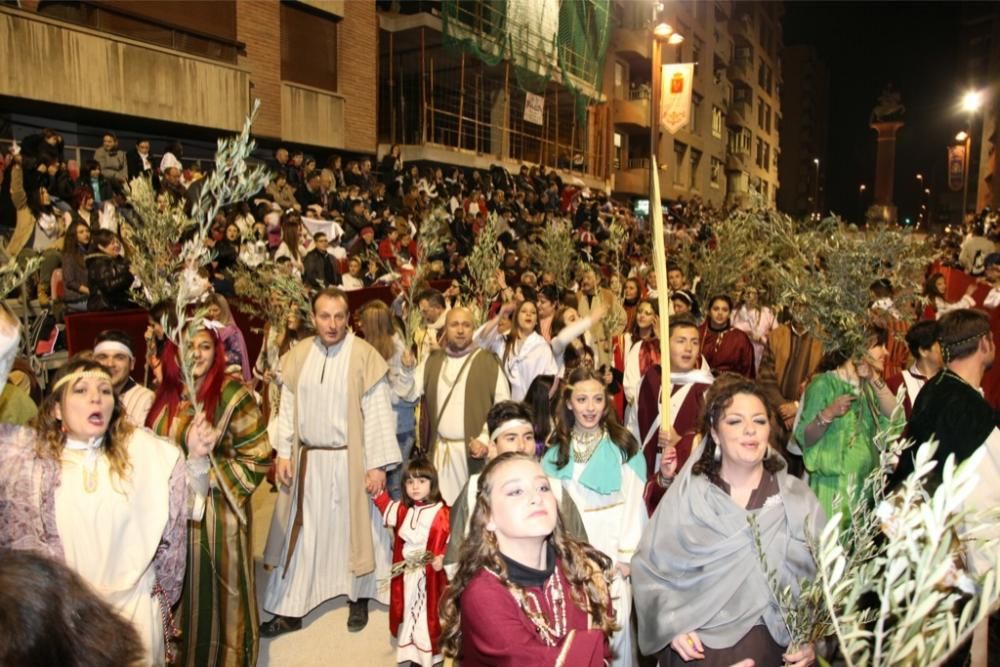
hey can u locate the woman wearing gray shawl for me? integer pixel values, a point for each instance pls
(700, 591)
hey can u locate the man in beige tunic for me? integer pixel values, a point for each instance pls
(455, 407)
(335, 437)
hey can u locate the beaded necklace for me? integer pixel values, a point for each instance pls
(549, 632)
(585, 444)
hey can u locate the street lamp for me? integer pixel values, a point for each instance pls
(816, 196)
(971, 102)
(861, 198)
(662, 33)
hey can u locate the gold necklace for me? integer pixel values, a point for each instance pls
(585, 444)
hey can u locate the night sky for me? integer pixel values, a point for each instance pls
(917, 47)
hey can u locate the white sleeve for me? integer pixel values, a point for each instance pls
(571, 333)
(993, 298)
(492, 343)
(284, 430)
(381, 446)
(634, 516)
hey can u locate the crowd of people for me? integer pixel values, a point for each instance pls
(504, 465)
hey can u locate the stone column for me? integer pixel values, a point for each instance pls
(882, 208)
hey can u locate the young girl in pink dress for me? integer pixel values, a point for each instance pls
(421, 522)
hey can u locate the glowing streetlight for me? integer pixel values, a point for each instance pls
(663, 30)
(972, 100)
(675, 39)
(961, 136)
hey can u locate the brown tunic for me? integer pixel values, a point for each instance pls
(757, 643)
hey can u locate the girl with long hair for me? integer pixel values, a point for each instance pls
(421, 523)
(702, 532)
(726, 349)
(525, 592)
(523, 352)
(599, 463)
(379, 331)
(237, 357)
(756, 320)
(84, 487)
(277, 341)
(936, 304)
(291, 241)
(642, 350)
(74, 267)
(218, 610)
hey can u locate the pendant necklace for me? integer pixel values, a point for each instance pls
(585, 443)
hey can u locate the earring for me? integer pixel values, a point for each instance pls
(62, 428)
(717, 455)
(769, 453)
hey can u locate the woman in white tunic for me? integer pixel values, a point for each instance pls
(524, 354)
(83, 486)
(599, 463)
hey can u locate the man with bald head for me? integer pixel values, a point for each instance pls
(453, 423)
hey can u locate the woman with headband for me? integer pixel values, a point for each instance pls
(84, 487)
(218, 610)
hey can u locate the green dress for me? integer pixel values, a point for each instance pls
(841, 460)
(218, 609)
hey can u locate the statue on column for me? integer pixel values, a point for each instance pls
(886, 119)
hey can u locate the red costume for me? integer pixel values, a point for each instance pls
(684, 414)
(727, 351)
(404, 520)
(496, 632)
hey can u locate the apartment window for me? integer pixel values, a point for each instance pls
(620, 86)
(760, 112)
(679, 151)
(767, 158)
(761, 73)
(767, 118)
(695, 162)
(739, 141)
(718, 121)
(715, 173)
(695, 111)
(618, 150)
(696, 54)
(759, 153)
(744, 55)
(308, 47)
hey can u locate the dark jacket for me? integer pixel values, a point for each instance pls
(134, 162)
(109, 279)
(320, 269)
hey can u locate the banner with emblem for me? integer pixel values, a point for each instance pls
(675, 97)
(534, 108)
(956, 167)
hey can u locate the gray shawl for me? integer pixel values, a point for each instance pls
(697, 568)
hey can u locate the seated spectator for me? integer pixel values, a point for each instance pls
(308, 194)
(320, 267)
(354, 222)
(364, 243)
(38, 223)
(354, 278)
(114, 166)
(99, 186)
(139, 162)
(172, 187)
(76, 246)
(83, 206)
(172, 156)
(294, 170)
(282, 193)
(291, 243)
(108, 273)
(59, 183)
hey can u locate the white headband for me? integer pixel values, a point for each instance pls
(509, 425)
(112, 346)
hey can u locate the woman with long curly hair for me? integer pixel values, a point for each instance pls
(84, 487)
(525, 592)
(599, 463)
(700, 594)
(218, 611)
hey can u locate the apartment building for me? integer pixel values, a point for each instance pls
(195, 67)
(805, 130)
(731, 144)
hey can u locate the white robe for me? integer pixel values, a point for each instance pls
(110, 534)
(531, 357)
(137, 401)
(320, 567)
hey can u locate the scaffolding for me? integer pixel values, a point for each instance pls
(475, 100)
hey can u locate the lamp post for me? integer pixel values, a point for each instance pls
(662, 32)
(861, 198)
(819, 210)
(971, 102)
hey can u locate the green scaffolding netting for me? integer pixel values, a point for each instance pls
(539, 37)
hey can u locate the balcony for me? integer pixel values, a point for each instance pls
(103, 72)
(634, 178)
(311, 115)
(741, 69)
(633, 113)
(633, 44)
(739, 114)
(738, 160)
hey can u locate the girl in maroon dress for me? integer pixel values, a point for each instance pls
(525, 592)
(726, 349)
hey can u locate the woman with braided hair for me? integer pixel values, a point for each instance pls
(525, 592)
(84, 487)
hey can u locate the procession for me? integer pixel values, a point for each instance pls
(495, 340)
